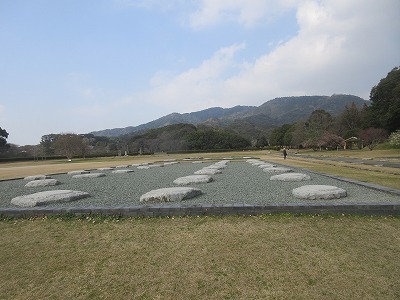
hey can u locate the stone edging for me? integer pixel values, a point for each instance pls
(208, 210)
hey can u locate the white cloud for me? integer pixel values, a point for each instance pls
(195, 87)
(245, 12)
(342, 47)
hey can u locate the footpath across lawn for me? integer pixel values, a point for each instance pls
(236, 257)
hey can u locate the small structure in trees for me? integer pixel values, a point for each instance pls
(352, 143)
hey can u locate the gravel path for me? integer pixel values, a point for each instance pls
(239, 183)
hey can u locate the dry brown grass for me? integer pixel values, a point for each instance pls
(264, 257)
(385, 176)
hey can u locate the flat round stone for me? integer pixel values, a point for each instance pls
(266, 165)
(193, 179)
(172, 194)
(124, 171)
(216, 166)
(207, 171)
(290, 177)
(121, 166)
(78, 172)
(156, 166)
(48, 197)
(257, 162)
(90, 175)
(314, 192)
(42, 182)
(168, 163)
(276, 170)
(36, 177)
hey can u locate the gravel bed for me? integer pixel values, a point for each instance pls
(239, 183)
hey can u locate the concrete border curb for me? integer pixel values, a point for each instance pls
(207, 210)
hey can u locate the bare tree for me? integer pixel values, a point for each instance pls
(373, 136)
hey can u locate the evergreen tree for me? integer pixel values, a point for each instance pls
(385, 97)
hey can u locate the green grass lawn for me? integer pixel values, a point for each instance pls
(253, 257)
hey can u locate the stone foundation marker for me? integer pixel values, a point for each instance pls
(90, 175)
(36, 177)
(42, 182)
(291, 177)
(315, 192)
(276, 170)
(172, 194)
(48, 197)
(193, 179)
(207, 171)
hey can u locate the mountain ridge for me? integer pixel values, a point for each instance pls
(275, 112)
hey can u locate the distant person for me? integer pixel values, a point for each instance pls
(284, 153)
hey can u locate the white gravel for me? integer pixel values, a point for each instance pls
(239, 183)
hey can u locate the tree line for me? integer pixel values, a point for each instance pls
(370, 125)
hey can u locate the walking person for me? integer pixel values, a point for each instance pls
(284, 153)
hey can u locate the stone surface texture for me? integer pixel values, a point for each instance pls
(172, 194)
(48, 197)
(36, 177)
(123, 171)
(276, 170)
(193, 179)
(42, 182)
(207, 171)
(291, 177)
(90, 175)
(78, 172)
(143, 167)
(314, 192)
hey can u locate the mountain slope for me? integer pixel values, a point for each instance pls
(176, 118)
(292, 109)
(275, 112)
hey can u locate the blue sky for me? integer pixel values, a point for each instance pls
(85, 65)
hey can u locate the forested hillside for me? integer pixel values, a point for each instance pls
(272, 113)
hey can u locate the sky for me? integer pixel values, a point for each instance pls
(76, 66)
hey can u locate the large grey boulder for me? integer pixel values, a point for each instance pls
(90, 175)
(276, 170)
(36, 177)
(207, 171)
(170, 194)
(291, 177)
(48, 197)
(314, 192)
(193, 179)
(42, 182)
